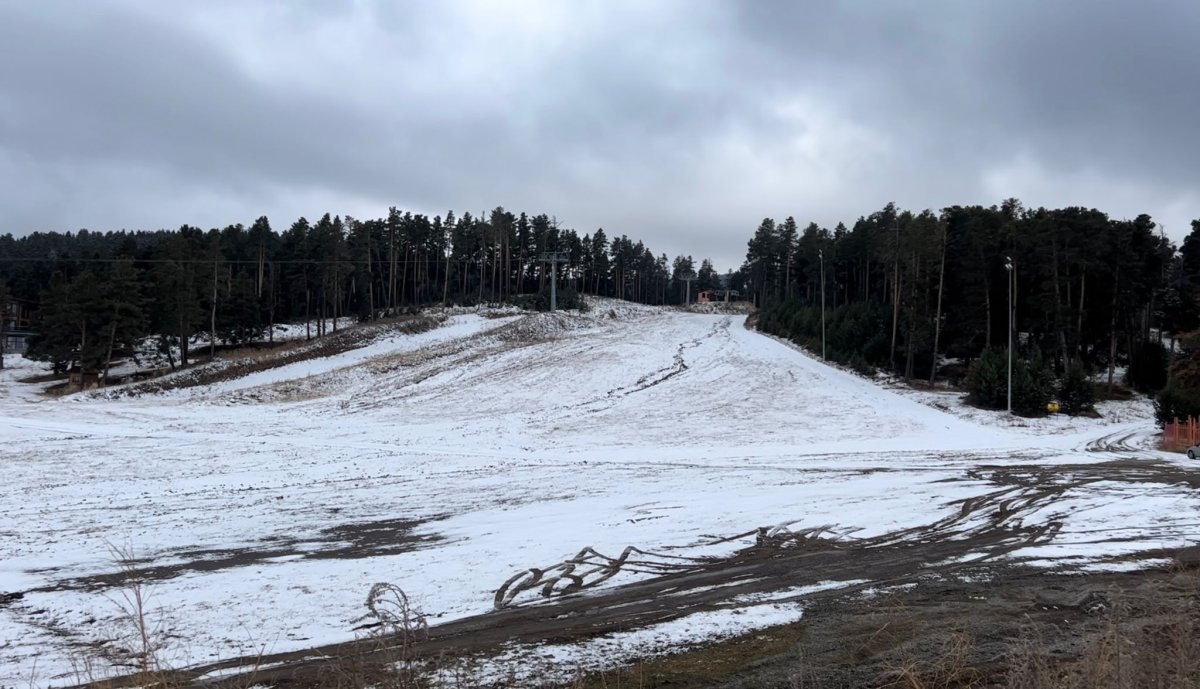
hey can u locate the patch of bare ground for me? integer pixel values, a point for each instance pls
(965, 620)
(944, 607)
(241, 363)
(40, 378)
(999, 628)
(1023, 629)
(348, 541)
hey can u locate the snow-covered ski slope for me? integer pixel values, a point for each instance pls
(263, 509)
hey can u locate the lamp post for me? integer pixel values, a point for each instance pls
(1008, 266)
(821, 258)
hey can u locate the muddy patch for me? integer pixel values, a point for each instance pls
(341, 542)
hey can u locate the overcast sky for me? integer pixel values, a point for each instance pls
(681, 123)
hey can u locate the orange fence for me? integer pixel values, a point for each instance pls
(1180, 435)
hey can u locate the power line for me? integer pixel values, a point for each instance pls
(238, 261)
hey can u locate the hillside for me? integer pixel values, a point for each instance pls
(262, 509)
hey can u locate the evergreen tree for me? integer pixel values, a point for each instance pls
(683, 270)
(121, 304)
(71, 325)
(1181, 396)
(707, 277)
(1076, 394)
(987, 380)
(601, 266)
(1032, 384)
(4, 317)
(763, 259)
(56, 335)
(178, 309)
(239, 321)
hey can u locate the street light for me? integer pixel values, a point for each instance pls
(821, 258)
(1008, 266)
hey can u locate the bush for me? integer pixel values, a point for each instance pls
(1033, 385)
(987, 382)
(1176, 401)
(860, 365)
(1076, 394)
(568, 299)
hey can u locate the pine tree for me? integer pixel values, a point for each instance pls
(239, 321)
(56, 335)
(707, 277)
(1033, 385)
(601, 266)
(121, 302)
(683, 270)
(91, 317)
(176, 311)
(1076, 394)
(986, 380)
(4, 316)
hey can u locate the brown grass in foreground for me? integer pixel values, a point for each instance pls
(1142, 631)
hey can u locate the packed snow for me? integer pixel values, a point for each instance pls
(446, 461)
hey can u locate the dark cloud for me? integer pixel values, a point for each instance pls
(1077, 86)
(680, 123)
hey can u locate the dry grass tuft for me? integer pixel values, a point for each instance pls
(392, 625)
(1158, 647)
(946, 667)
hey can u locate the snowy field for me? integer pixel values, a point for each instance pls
(445, 462)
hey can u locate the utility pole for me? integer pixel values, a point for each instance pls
(1008, 266)
(553, 259)
(895, 293)
(687, 300)
(212, 332)
(821, 257)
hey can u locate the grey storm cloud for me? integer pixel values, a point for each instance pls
(679, 123)
(1083, 83)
